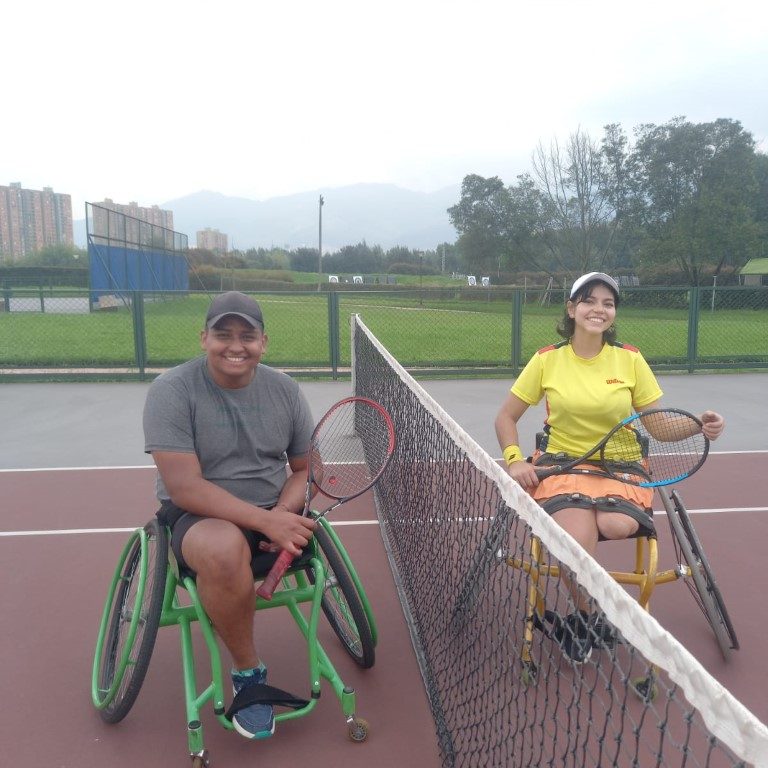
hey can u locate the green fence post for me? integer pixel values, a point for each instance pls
(333, 332)
(139, 334)
(517, 330)
(693, 327)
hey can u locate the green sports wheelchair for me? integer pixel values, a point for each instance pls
(148, 592)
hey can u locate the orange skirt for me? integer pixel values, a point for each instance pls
(591, 485)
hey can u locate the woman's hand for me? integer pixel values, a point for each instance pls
(713, 424)
(524, 474)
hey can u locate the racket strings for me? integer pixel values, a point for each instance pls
(350, 449)
(671, 444)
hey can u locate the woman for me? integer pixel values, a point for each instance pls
(590, 382)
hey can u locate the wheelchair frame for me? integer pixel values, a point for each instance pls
(693, 567)
(144, 595)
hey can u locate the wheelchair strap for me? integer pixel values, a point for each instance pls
(260, 693)
(604, 504)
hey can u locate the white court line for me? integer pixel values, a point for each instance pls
(152, 466)
(76, 469)
(715, 511)
(80, 531)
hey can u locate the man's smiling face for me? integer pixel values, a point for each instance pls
(234, 349)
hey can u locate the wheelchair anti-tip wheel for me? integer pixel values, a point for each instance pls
(702, 583)
(130, 622)
(342, 604)
(200, 760)
(645, 688)
(357, 729)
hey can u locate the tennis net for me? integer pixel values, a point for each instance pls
(487, 625)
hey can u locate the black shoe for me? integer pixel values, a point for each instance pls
(575, 637)
(604, 635)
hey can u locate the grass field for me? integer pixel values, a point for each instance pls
(419, 331)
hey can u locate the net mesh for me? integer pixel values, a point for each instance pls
(489, 627)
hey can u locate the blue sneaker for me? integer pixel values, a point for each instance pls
(258, 720)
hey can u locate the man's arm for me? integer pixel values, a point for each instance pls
(292, 495)
(190, 491)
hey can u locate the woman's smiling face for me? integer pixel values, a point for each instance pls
(594, 314)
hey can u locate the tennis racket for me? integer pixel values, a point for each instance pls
(657, 447)
(349, 451)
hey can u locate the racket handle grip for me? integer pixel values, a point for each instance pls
(267, 587)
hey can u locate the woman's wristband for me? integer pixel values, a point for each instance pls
(512, 453)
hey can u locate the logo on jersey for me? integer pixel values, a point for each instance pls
(614, 381)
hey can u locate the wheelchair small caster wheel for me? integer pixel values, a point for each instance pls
(358, 729)
(529, 673)
(200, 760)
(645, 688)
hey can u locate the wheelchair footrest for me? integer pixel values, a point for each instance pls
(260, 693)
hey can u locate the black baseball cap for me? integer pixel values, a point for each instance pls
(234, 303)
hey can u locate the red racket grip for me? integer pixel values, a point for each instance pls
(267, 587)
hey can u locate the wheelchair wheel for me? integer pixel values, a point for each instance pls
(704, 587)
(342, 605)
(491, 552)
(130, 622)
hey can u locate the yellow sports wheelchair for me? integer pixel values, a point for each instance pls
(692, 566)
(148, 592)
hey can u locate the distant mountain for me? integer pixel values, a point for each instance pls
(380, 214)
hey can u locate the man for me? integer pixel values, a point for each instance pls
(220, 429)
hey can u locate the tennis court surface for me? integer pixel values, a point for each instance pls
(63, 528)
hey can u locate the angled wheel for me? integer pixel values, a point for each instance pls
(491, 552)
(130, 621)
(702, 583)
(342, 604)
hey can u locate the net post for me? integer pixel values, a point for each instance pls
(353, 318)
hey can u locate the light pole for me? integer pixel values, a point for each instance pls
(319, 242)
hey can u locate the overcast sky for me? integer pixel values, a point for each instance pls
(149, 101)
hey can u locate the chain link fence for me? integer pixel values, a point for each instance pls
(50, 333)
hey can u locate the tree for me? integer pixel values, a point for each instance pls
(360, 258)
(617, 175)
(59, 255)
(525, 224)
(267, 258)
(303, 260)
(232, 261)
(761, 202)
(481, 217)
(197, 256)
(696, 187)
(447, 257)
(399, 254)
(575, 208)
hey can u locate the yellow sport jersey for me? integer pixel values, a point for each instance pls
(585, 399)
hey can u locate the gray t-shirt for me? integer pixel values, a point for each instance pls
(242, 437)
